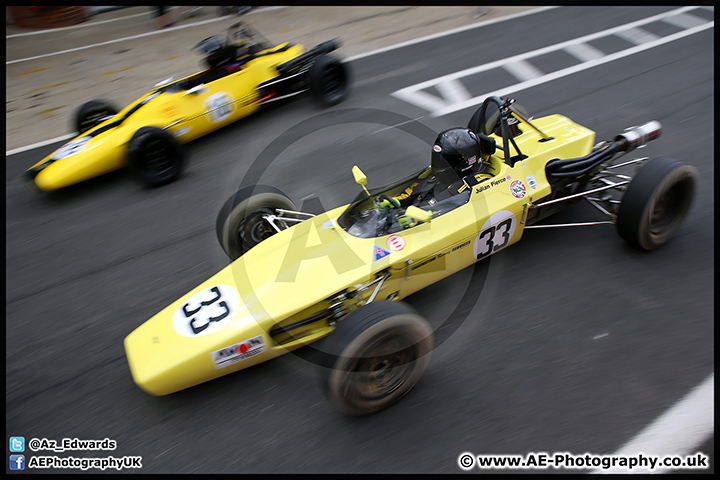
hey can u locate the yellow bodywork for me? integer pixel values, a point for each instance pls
(186, 115)
(298, 272)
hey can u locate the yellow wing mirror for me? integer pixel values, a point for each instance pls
(360, 178)
(418, 214)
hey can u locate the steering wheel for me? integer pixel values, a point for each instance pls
(384, 196)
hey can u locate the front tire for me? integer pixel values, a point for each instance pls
(92, 113)
(154, 156)
(240, 224)
(375, 356)
(656, 202)
(328, 78)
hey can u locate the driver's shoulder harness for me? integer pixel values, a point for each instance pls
(425, 189)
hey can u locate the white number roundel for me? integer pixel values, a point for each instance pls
(207, 311)
(219, 106)
(495, 234)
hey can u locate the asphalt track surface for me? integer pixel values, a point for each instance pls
(574, 342)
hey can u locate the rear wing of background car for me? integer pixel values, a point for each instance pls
(305, 58)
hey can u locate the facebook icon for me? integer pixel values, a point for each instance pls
(17, 462)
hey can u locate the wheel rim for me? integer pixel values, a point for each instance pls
(158, 160)
(669, 208)
(254, 229)
(383, 369)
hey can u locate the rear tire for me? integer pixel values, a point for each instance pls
(375, 356)
(656, 202)
(154, 156)
(240, 225)
(328, 78)
(92, 113)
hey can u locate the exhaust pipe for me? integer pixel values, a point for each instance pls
(636, 137)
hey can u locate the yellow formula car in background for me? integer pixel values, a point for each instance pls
(298, 277)
(244, 73)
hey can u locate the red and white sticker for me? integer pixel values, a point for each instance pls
(207, 311)
(238, 352)
(517, 188)
(395, 243)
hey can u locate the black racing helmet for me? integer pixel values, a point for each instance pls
(218, 52)
(455, 152)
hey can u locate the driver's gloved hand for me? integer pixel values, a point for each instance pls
(406, 221)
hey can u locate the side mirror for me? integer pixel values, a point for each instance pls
(418, 214)
(359, 175)
(360, 178)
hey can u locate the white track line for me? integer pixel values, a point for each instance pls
(566, 71)
(548, 49)
(82, 25)
(448, 32)
(678, 431)
(39, 144)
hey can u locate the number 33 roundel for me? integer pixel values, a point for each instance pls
(495, 234)
(207, 311)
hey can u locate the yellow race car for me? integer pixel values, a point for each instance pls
(244, 72)
(297, 277)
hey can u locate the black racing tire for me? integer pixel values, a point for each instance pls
(240, 225)
(329, 80)
(492, 115)
(91, 113)
(154, 156)
(656, 202)
(375, 356)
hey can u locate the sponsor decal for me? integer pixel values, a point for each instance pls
(238, 352)
(530, 179)
(440, 256)
(168, 109)
(437, 148)
(395, 243)
(495, 234)
(492, 183)
(428, 260)
(219, 106)
(379, 253)
(472, 160)
(517, 188)
(206, 311)
(462, 245)
(509, 177)
(328, 224)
